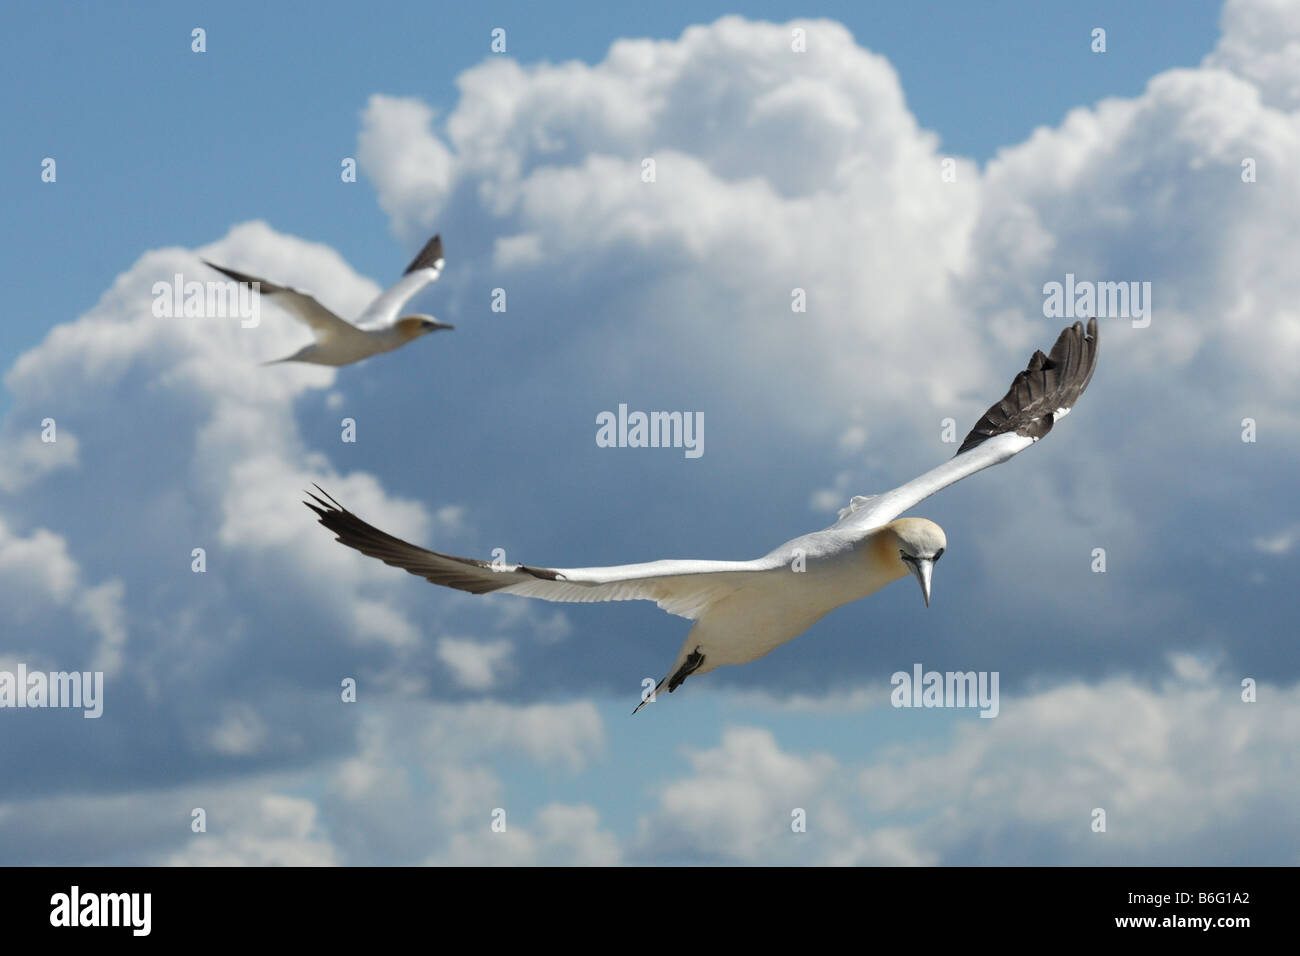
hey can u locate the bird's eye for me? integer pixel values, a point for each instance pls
(938, 554)
(905, 556)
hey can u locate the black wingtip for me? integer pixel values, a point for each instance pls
(427, 257)
(325, 507)
(332, 500)
(244, 277)
(1048, 384)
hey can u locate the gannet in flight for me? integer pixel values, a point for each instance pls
(378, 328)
(744, 609)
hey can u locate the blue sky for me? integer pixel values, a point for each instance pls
(171, 147)
(776, 170)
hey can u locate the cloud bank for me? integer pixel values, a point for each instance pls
(775, 173)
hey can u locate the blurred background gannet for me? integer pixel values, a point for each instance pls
(378, 329)
(744, 609)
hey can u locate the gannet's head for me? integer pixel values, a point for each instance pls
(413, 326)
(919, 544)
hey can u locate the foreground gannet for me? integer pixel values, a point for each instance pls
(744, 609)
(378, 328)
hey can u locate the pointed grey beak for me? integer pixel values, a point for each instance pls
(438, 326)
(922, 569)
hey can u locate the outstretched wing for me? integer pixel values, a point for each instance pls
(1039, 397)
(685, 588)
(299, 304)
(424, 269)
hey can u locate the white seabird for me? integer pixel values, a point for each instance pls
(744, 609)
(378, 329)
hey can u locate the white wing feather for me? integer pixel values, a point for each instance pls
(684, 588)
(878, 510)
(425, 269)
(1039, 397)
